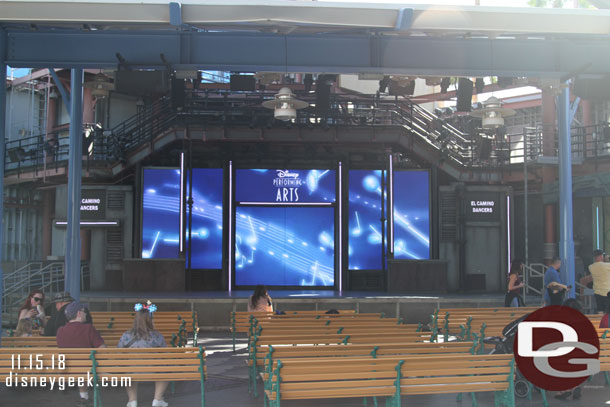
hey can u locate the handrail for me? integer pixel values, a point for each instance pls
(224, 108)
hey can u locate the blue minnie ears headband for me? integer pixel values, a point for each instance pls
(148, 306)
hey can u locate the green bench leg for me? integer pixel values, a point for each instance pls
(545, 402)
(475, 403)
(202, 374)
(607, 380)
(459, 397)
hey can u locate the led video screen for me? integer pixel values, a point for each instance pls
(284, 246)
(365, 227)
(160, 213)
(285, 186)
(160, 216)
(206, 230)
(411, 215)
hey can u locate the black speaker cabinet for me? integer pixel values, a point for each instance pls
(417, 276)
(464, 95)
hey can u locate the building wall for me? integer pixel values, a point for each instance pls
(108, 245)
(22, 225)
(25, 112)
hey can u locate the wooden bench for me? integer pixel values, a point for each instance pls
(241, 321)
(106, 365)
(271, 353)
(169, 323)
(46, 341)
(391, 377)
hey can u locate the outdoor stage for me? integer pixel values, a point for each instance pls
(214, 308)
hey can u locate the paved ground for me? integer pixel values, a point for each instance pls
(227, 386)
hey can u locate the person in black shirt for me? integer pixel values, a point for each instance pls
(58, 314)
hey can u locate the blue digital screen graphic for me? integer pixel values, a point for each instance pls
(160, 213)
(206, 229)
(285, 186)
(365, 227)
(411, 215)
(161, 216)
(284, 246)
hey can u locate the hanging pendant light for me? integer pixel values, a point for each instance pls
(285, 105)
(101, 85)
(493, 113)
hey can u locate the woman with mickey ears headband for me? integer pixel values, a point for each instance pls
(143, 335)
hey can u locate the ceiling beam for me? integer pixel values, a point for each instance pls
(308, 53)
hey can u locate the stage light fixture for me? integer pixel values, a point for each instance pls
(285, 105)
(383, 84)
(100, 86)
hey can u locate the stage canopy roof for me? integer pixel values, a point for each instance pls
(302, 36)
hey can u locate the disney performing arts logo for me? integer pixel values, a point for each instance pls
(287, 184)
(557, 348)
(287, 174)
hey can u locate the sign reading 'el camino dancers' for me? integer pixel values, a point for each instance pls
(284, 186)
(93, 204)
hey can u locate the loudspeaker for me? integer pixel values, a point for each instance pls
(322, 97)
(485, 149)
(141, 82)
(505, 82)
(16, 154)
(592, 89)
(178, 94)
(464, 95)
(445, 82)
(308, 81)
(479, 85)
(245, 83)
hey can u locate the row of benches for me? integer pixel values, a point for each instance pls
(111, 325)
(301, 357)
(114, 366)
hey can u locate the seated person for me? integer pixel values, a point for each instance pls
(260, 300)
(24, 328)
(143, 335)
(33, 309)
(78, 334)
(58, 315)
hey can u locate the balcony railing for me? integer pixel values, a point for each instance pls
(245, 109)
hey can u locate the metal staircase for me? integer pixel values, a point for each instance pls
(46, 276)
(533, 278)
(432, 139)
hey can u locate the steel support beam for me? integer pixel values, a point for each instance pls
(2, 147)
(175, 13)
(62, 90)
(75, 166)
(566, 240)
(309, 53)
